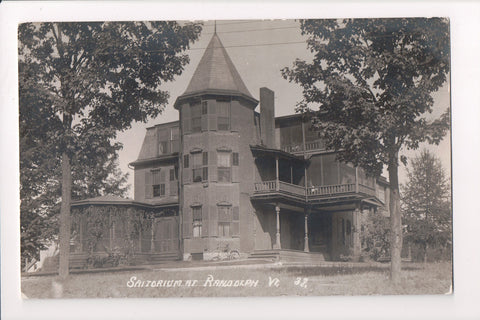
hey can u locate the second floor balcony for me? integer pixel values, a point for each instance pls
(313, 193)
(309, 146)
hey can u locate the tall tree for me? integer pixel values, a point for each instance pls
(95, 79)
(369, 91)
(426, 204)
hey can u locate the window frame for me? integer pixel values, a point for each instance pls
(197, 221)
(221, 170)
(224, 219)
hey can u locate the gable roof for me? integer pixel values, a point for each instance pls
(216, 74)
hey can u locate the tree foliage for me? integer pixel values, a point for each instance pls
(375, 236)
(81, 83)
(369, 92)
(426, 204)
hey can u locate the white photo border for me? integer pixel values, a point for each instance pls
(465, 88)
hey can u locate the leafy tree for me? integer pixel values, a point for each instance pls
(372, 81)
(91, 80)
(426, 204)
(375, 236)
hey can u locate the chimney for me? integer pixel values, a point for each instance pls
(267, 117)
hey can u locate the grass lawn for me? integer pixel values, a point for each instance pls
(258, 280)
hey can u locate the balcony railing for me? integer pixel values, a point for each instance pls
(282, 187)
(366, 189)
(309, 146)
(267, 187)
(331, 190)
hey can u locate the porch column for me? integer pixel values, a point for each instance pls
(152, 237)
(305, 246)
(277, 184)
(277, 244)
(357, 246)
(291, 173)
(356, 179)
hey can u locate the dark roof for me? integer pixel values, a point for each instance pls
(115, 200)
(258, 149)
(149, 161)
(216, 74)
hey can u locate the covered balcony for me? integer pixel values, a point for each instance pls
(321, 179)
(280, 175)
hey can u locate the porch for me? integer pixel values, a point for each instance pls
(108, 230)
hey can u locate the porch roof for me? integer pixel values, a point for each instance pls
(259, 150)
(115, 200)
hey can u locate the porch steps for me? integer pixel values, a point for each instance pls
(286, 255)
(162, 257)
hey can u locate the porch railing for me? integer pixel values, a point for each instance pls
(366, 189)
(283, 187)
(309, 146)
(296, 190)
(331, 190)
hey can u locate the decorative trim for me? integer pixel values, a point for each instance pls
(195, 205)
(224, 149)
(196, 150)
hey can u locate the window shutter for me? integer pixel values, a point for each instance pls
(213, 166)
(205, 221)
(187, 222)
(236, 222)
(186, 172)
(235, 174)
(148, 184)
(204, 122)
(213, 220)
(205, 158)
(162, 175)
(235, 160)
(187, 176)
(173, 188)
(186, 119)
(212, 115)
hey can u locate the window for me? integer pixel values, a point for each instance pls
(204, 107)
(224, 166)
(224, 220)
(197, 221)
(168, 140)
(186, 161)
(235, 158)
(196, 118)
(223, 112)
(159, 190)
(158, 183)
(175, 139)
(200, 166)
(162, 147)
(172, 175)
(224, 229)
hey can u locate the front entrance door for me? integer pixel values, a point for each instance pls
(165, 234)
(320, 232)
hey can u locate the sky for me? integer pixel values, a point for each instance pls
(259, 49)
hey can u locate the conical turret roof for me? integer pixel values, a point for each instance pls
(216, 74)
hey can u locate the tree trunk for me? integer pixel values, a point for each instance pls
(425, 256)
(65, 216)
(395, 224)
